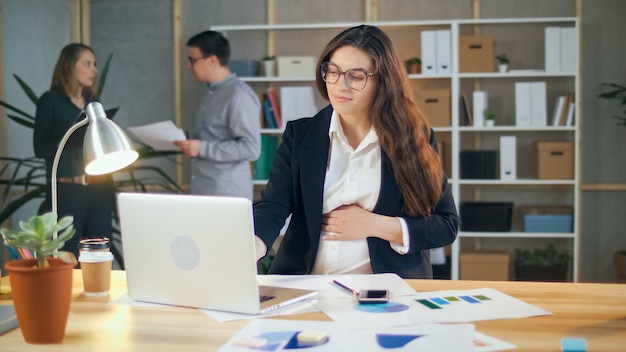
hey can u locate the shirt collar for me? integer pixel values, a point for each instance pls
(218, 84)
(336, 131)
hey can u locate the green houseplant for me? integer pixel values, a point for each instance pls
(41, 287)
(490, 118)
(542, 264)
(24, 179)
(503, 62)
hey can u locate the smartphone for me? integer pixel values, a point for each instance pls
(373, 296)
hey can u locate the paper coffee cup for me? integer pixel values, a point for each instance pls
(96, 268)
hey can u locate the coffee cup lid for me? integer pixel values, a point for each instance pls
(95, 257)
(94, 243)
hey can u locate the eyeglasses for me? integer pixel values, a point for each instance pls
(356, 78)
(192, 60)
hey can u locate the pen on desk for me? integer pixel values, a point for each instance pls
(356, 293)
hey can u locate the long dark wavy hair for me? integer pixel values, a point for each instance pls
(402, 128)
(64, 79)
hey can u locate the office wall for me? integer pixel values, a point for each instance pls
(604, 144)
(33, 33)
(140, 81)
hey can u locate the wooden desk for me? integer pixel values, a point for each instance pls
(596, 312)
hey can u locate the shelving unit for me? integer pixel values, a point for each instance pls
(561, 192)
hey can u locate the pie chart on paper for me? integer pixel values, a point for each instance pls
(389, 307)
(281, 340)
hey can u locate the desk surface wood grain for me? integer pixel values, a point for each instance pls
(596, 312)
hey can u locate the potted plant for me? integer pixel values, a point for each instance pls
(41, 285)
(268, 64)
(545, 264)
(413, 65)
(503, 63)
(490, 118)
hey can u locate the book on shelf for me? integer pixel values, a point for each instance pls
(271, 95)
(569, 121)
(569, 99)
(263, 165)
(559, 105)
(467, 113)
(268, 115)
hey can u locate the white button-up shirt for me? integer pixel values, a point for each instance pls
(353, 176)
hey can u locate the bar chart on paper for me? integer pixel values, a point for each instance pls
(472, 305)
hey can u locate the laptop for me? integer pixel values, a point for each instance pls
(195, 251)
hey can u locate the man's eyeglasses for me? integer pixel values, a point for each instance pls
(192, 60)
(356, 78)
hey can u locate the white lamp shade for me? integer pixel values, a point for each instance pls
(106, 147)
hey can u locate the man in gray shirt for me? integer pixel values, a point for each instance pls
(227, 133)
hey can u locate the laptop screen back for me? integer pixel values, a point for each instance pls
(187, 250)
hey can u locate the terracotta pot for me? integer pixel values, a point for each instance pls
(41, 298)
(414, 68)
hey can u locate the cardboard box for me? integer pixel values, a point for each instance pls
(476, 53)
(296, 66)
(485, 265)
(435, 104)
(555, 160)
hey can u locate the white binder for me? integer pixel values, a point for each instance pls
(444, 60)
(569, 55)
(429, 53)
(508, 158)
(296, 102)
(538, 108)
(479, 104)
(522, 104)
(553, 49)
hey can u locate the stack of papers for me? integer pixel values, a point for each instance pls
(159, 135)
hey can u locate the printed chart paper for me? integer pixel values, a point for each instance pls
(280, 335)
(472, 305)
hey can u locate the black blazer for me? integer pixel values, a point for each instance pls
(295, 187)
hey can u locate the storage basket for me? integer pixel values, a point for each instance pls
(548, 223)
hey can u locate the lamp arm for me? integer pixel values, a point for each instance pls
(55, 165)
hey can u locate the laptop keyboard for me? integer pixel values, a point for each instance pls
(264, 298)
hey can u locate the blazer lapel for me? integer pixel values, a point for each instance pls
(314, 159)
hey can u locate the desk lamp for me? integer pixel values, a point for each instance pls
(106, 148)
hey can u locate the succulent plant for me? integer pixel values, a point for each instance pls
(37, 235)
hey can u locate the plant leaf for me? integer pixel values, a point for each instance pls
(104, 74)
(29, 92)
(15, 109)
